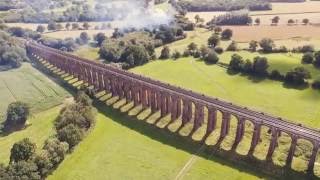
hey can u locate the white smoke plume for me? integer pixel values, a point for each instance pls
(137, 14)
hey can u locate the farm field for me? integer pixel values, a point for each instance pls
(285, 11)
(127, 148)
(39, 129)
(31, 86)
(244, 34)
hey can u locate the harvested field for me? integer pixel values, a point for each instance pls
(286, 11)
(247, 33)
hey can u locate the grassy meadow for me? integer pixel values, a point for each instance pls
(40, 127)
(31, 86)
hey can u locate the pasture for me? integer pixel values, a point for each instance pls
(31, 86)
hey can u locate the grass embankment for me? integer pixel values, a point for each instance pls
(31, 86)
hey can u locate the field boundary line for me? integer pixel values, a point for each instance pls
(189, 164)
(12, 94)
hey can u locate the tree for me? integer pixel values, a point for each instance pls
(59, 26)
(23, 170)
(165, 53)
(297, 76)
(275, 20)
(193, 46)
(290, 22)
(176, 55)
(56, 149)
(100, 37)
(233, 46)
(41, 29)
(226, 34)
(204, 50)
(3, 172)
(135, 55)
(75, 26)
(307, 58)
(260, 65)
(305, 21)
(214, 40)
(84, 36)
(257, 21)
(276, 75)
(70, 134)
(86, 25)
(211, 58)
(267, 45)
(236, 62)
(247, 66)
(316, 62)
(22, 150)
(68, 26)
(217, 30)
(253, 45)
(17, 31)
(17, 114)
(52, 26)
(315, 85)
(197, 18)
(43, 163)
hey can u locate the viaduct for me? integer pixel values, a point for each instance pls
(178, 102)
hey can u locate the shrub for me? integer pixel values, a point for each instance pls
(307, 58)
(43, 163)
(176, 55)
(297, 76)
(306, 48)
(316, 62)
(197, 54)
(226, 34)
(316, 84)
(260, 65)
(165, 53)
(41, 29)
(186, 53)
(211, 58)
(267, 45)
(218, 50)
(84, 36)
(253, 45)
(276, 75)
(247, 66)
(56, 149)
(22, 150)
(70, 134)
(204, 51)
(214, 40)
(233, 46)
(23, 170)
(236, 62)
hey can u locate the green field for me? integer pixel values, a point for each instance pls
(39, 129)
(300, 106)
(125, 148)
(31, 86)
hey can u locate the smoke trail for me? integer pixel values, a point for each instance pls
(135, 14)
